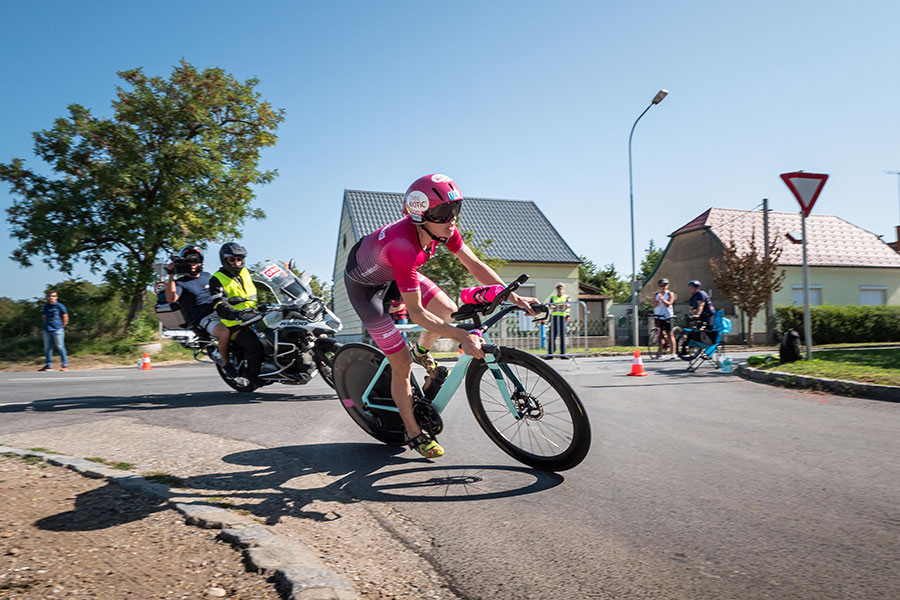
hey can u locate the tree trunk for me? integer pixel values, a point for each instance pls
(137, 303)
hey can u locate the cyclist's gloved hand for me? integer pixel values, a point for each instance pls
(472, 346)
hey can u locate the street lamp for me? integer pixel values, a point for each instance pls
(634, 289)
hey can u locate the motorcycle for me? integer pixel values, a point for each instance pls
(295, 332)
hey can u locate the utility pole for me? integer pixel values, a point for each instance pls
(770, 314)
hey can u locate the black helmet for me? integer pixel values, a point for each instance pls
(663, 281)
(190, 254)
(231, 249)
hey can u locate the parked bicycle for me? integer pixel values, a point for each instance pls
(521, 403)
(659, 343)
(700, 344)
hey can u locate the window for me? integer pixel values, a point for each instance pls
(815, 295)
(526, 289)
(873, 295)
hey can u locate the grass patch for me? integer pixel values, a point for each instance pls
(164, 478)
(122, 466)
(880, 366)
(44, 450)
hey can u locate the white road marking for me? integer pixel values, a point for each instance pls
(44, 378)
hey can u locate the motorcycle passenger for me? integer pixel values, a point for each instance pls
(233, 280)
(389, 258)
(191, 291)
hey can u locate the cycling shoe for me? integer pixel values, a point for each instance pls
(425, 445)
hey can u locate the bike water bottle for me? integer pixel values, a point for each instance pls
(725, 365)
(480, 295)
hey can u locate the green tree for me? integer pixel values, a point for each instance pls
(175, 163)
(449, 273)
(748, 278)
(607, 279)
(652, 256)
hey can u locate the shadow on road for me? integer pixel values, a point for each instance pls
(280, 485)
(156, 401)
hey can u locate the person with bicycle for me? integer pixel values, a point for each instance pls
(663, 312)
(386, 263)
(701, 306)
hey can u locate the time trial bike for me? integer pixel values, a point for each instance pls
(523, 405)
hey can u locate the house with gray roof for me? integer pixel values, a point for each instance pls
(521, 235)
(847, 264)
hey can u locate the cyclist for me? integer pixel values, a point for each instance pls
(233, 280)
(385, 263)
(701, 305)
(663, 313)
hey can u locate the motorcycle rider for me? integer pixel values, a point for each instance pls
(191, 291)
(230, 281)
(389, 258)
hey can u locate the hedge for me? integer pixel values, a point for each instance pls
(839, 324)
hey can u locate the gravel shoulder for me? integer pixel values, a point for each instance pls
(379, 552)
(67, 536)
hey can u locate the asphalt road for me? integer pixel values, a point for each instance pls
(697, 485)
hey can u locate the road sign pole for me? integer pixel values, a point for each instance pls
(807, 324)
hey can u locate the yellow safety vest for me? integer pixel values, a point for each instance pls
(241, 286)
(557, 310)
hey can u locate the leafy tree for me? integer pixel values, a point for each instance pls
(748, 279)
(652, 256)
(175, 163)
(607, 279)
(446, 271)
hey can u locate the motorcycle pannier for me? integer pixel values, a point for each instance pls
(171, 316)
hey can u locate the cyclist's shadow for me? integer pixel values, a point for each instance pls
(281, 484)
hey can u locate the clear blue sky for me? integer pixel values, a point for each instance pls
(525, 100)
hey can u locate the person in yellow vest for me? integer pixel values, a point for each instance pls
(233, 280)
(559, 318)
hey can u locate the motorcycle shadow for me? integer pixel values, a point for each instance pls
(112, 404)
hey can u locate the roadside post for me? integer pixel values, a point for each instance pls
(806, 187)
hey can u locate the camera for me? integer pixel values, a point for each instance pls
(181, 266)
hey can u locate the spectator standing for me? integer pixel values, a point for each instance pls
(663, 312)
(55, 316)
(559, 318)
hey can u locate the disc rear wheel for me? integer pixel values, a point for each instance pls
(355, 366)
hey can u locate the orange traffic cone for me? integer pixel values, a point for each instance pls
(145, 363)
(637, 365)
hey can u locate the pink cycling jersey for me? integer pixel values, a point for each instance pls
(393, 253)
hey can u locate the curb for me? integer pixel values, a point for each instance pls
(297, 571)
(840, 387)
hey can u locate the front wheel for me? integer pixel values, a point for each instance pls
(653, 349)
(684, 349)
(550, 429)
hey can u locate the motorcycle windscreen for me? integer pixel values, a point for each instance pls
(287, 287)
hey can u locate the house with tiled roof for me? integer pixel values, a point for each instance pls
(521, 235)
(847, 264)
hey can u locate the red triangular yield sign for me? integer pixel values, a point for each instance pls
(806, 187)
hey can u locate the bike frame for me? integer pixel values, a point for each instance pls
(456, 375)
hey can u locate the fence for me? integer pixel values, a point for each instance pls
(518, 330)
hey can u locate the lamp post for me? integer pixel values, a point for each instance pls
(634, 288)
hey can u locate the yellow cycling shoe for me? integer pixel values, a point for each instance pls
(425, 445)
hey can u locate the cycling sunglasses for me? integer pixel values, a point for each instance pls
(443, 213)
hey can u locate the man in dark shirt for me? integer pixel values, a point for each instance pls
(701, 305)
(55, 317)
(192, 292)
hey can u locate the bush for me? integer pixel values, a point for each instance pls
(843, 324)
(97, 322)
